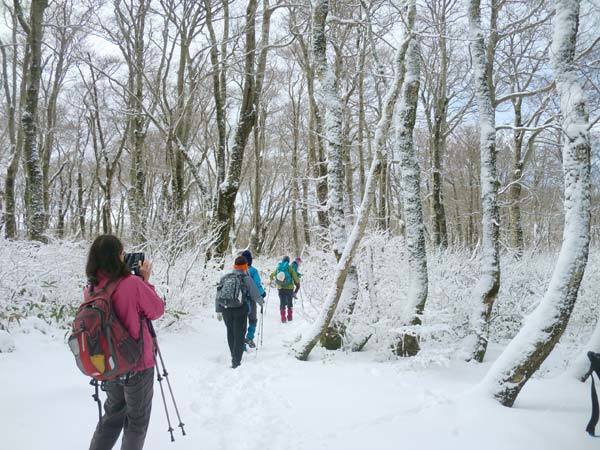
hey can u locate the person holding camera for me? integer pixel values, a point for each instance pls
(135, 301)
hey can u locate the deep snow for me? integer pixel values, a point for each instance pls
(333, 401)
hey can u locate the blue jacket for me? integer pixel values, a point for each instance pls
(295, 267)
(256, 278)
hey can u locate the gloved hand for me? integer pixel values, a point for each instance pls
(219, 317)
(263, 295)
(295, 295)
(260, 301)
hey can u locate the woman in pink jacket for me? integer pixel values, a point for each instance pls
(129, 399)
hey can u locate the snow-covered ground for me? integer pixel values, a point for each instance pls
(334, 401)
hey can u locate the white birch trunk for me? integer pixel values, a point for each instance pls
(486, 289)
(34, 196)
(411, 195)
(329, 100)
(542, 330)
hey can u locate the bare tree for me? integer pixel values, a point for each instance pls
(486, 290)
(68, 24)
(130, 17)
(534, 342)
(411, 197)
(34, 195)
(10, 87)
(253, 80)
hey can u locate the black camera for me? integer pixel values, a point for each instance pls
(133, 261)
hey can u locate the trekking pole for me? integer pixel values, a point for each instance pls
(261, 327)
(267, 298)
(162, 393)
(166, 376)
(96, 398)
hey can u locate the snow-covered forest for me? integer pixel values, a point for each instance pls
(435, 164)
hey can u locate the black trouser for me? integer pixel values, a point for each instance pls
(127, 407)
(235, 321)
(286, 298)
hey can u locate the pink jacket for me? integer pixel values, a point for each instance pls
(134, 298)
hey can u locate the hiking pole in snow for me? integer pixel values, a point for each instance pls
(165, 374)
(261, 328)
(96, 397)
(267, 299)
(263, 314)
(159, 379)
(162, 393)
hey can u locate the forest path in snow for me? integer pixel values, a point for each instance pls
(335, 401)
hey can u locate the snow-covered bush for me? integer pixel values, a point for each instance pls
(47, 281)
(43, 281)
(383, 277)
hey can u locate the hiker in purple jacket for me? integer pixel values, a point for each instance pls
(129, 399)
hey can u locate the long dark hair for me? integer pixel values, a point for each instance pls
(105, 255)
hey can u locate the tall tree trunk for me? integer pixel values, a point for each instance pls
(219, 83)
(320, 170)
(181, 132)
(362, 125)
(256, 235)
(304, 209)
(328, 97)
(439, 227)
(316, 151)
(329, 101)
(534, 342)
(438, 141)
(51, 121)
(347, 162)
(382, 213)
(514, 192)
(137, 123)
(34, 195)
(80, 205)
(411, 195)
(295, 172)
(227, 191)
(9, 219)
(486, 290)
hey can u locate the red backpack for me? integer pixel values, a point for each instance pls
(102, 346)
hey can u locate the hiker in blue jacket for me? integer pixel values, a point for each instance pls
(296, 266)
(288, 283)
(252, 319)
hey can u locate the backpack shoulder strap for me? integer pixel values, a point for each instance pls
(242, 278)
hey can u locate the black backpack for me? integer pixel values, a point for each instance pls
(594, 367)
(231, 290)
